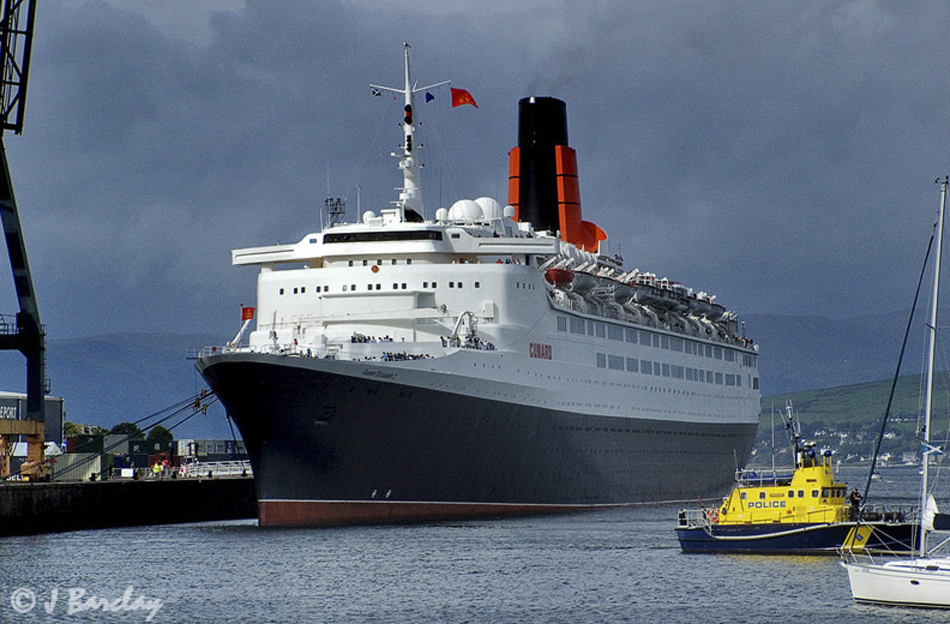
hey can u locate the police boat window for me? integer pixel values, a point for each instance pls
(742, 496)
(824, 492)
(801, 493)
(814, 493)
(791, 493)
(761, 495)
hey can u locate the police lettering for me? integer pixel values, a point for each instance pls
(766, 504)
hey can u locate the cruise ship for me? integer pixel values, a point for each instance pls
(486, 361)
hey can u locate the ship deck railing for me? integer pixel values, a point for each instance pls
(689, 330)
(767, 477)
(346, 351)
(236, 468)
(695, 518)
(194, 353)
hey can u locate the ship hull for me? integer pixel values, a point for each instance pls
(337, 442)
(797, 538)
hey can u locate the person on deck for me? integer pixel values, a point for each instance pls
(855, 499)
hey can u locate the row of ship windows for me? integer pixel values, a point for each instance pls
(659, 369)
(654, 432)
(650, 339)
(301, 290)
(825, 493)
(379, 262)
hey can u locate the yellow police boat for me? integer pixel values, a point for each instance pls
(794, 511)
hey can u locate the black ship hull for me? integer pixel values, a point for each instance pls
(334, 442)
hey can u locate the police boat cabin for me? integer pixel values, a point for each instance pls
(807, 494)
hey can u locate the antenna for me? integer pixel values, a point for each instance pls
(336, 210)
(335, 207)
(410, 194)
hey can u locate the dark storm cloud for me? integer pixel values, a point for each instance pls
(777, 154)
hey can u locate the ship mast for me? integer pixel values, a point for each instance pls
(410, 195)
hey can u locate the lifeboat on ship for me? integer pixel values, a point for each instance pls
(624, 292)
(559, 278)
(584, 282)
(677, 295)
(705, 306)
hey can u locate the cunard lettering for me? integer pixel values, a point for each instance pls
(541, 351)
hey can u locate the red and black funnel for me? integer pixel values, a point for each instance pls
(542, 174)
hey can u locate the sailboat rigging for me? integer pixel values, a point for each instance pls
(923, 580)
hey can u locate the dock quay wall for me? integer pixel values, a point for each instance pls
(30, 508)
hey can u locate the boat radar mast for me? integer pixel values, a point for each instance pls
(410, 195)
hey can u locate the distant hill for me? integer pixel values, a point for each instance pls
(807, 352)
(848, 419)
(113, 378)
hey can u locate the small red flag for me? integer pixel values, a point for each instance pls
(461, 96)
(247, 313)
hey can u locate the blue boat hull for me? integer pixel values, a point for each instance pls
(796, 539)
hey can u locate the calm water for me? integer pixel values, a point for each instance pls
(619, 566)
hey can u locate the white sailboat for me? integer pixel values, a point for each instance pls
(923, 580)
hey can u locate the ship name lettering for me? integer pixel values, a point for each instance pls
(8, 411)
(379, 374)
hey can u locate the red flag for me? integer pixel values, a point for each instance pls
(461, 96)
(247, 313)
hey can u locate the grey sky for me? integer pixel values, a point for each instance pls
(777, 154)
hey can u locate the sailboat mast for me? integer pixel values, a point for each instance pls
(932, 333)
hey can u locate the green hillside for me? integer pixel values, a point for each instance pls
(847, 419)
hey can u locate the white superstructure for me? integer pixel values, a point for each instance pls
(395, 287)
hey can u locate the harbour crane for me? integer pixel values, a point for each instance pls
(27, 335)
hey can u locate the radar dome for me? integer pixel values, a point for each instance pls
(368, 216)
(465, 210)
(441, 215)
(491, 209)
(509, 211)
